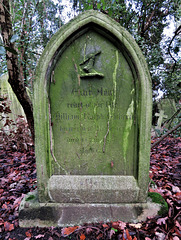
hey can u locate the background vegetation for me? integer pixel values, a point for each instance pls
(26, 27)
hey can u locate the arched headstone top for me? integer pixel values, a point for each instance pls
(104, 25)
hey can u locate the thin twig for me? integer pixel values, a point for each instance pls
(176, 33)
(177, 215)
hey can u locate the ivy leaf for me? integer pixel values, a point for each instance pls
(14, 38)
(98, 6)
(11, 50)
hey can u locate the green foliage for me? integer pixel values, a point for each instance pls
(34, 23)
(171, 79)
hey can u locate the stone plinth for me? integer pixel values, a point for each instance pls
(32, 213)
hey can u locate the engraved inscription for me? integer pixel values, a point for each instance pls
(90, 108)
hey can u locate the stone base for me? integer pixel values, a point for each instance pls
(93, 189)
(32, 213)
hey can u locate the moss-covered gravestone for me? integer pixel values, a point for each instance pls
(168, 107)
(12, 101)
(92, 111)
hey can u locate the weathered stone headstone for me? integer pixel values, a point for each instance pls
(92, 111)
(16, 108)
(161, 116)
(169, 107)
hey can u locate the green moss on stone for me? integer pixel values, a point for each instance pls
(30, 197)
(157, 198)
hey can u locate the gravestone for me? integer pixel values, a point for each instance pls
(169, 107)
(92, 112)
(16, 108)
(161, 117)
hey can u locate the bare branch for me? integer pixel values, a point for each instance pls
(176, 33)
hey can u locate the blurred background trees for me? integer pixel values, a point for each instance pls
(27, 26)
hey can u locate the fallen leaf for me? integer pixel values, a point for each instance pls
(160, 236)
(67, 231)
(128, 235)
(178, 225)
(161, 221)
(105, 226)
(8, 226)
(50, 238)
(111, 233)
(4, 206)
(18, 200)
(88, 230)
(176, 238)
(11, 175)
(100, 236)
(28, 234)
(122, 225)
(178, 194)
(40, 236)
(137, 225)
(82, 237)
(175, 189)
(119, 225)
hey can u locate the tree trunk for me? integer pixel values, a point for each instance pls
(15, 80)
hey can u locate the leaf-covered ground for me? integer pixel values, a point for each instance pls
(18, 177)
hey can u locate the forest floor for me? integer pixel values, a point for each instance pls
(18, 177)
